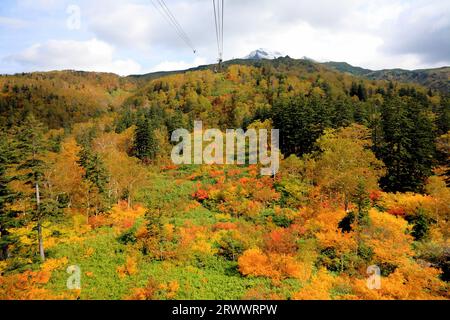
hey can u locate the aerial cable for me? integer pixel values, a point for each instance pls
(223, 4)
(219, 23)
(164, 15)
(217, 26)
(176, 25)
(172, 17)
(164, 10)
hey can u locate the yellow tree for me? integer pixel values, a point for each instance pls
(65, 175)
(126, 173)
(346, 161)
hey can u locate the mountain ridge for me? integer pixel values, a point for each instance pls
(433, 78)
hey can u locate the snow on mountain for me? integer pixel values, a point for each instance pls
(263, 54)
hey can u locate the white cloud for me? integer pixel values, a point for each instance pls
(138, 24)
(178, 65)
(375, 34)
(12, 23)
(122, 23)
(355, 31)
(38, 4)
(422, 29)
(91, 55)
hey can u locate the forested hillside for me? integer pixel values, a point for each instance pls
(435, 79)
(60, 99)
(86, 180)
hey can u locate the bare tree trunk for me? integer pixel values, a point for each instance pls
(41, 242)
(88, 206)
(40, 238)
(129, 204)
(346, 203)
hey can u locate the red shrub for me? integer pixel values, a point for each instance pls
(169, 167)
(200, 195)
(375, 195)
(224, 226)
(99, 221)
(397, 211)
(281, 241)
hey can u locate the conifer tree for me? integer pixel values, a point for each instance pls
(361, 198)
(145, 144)
(443, 116)
(421, 226)
(353, 89)
(342, 113)
(394, 148)
(97, 177)
(302, 121)
(423, 146)
(362, 92)
(408, 147)
(7, 197)
(356, 220)
(32, 146)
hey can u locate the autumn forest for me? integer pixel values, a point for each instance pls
(88, 188)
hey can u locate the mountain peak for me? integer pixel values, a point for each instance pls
(262, 53)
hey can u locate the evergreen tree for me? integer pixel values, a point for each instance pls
(391, 88)
(358, 90)
(443, 155)
(374, 123)
(97, 177)
(321, 117)
(393, 150)
(362, 201)
(302, 121)
(360, 113)
(126, 120)
(423, 146)
(360, 218)
(362, 92)
(354, 89)
(95, 170)
(176, 121)
(32, 146)
(342, 113)
(145, 144)
(407, 147)
(7, 197)
(422, 224)
(443, 116)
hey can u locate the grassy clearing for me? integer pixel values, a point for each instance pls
(101, 254)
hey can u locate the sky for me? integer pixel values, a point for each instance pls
(131, 37)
